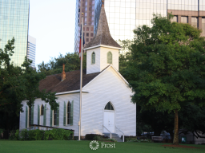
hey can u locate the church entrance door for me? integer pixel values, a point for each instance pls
(109, 121)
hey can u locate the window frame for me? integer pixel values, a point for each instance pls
(109, 57)
(57, 117)
(71, 103)
(54, 117)
(42, 109)
(68, 117)
(93, 62)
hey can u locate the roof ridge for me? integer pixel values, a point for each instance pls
(61, 73)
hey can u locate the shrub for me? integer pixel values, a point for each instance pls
(1, 132)
(54, 134)
(12, 135)
(93, 136)
(57, 134)
(39, 134)
(24, 134)
(113, 140)
(17, 135)
(48, 135)
(31, 135)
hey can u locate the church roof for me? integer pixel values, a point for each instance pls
(103, 36)
(53, 83)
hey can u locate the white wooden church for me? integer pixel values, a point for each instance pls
(106, 98)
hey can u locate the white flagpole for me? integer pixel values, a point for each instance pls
(81, 80)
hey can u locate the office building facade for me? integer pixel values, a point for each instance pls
(31, 50)
(14, 22)
(87, 8)
(125, 15)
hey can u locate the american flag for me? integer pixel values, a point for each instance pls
(81, 39)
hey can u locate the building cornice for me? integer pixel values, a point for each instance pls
(70, 92)
(102, 46)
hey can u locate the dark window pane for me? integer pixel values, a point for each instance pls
(68, 113)
(109, 106)
(42, 110)
(55, 117)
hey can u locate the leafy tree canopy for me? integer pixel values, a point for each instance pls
(54, 66)
(19, 83)
(167, 68)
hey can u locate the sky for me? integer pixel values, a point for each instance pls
(52, 23)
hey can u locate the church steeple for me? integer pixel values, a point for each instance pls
(103, 36)
(102, 50)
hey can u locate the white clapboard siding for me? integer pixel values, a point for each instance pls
(101, 59)
(93, 68)
(60, 100)
(23, 116)
(108, 86)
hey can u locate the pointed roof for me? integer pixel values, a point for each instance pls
(53, 83)
(103, 36)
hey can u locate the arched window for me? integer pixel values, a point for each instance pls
(93, 58)
(42, 110)
(68, 112)
(26, 121)
(30, 116)
(109, 57)
(55, 117)
(109, 106)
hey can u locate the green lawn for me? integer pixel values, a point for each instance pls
(83, 147)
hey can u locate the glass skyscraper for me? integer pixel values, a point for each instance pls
(31, 52)
(87, 7)
(125, 15)
(14, 22)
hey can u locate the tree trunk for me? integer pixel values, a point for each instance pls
(176, 128)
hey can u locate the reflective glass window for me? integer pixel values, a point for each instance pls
(194, 22)
(184, 19)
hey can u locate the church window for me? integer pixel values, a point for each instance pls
(109, 106)
(42, 109)
(56, 117)
(109, 57)
(68, 113)
(38, 115)
(93, 58)
(31, 115)
(26, 121)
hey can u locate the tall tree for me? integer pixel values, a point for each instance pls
(18, 84)
(167, 68)
(54, 66)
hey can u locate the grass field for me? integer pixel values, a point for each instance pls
(7, 146)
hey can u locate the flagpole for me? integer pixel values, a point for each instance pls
(81, 80)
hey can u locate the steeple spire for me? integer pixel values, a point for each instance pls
(103, 36)
(102, 3)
